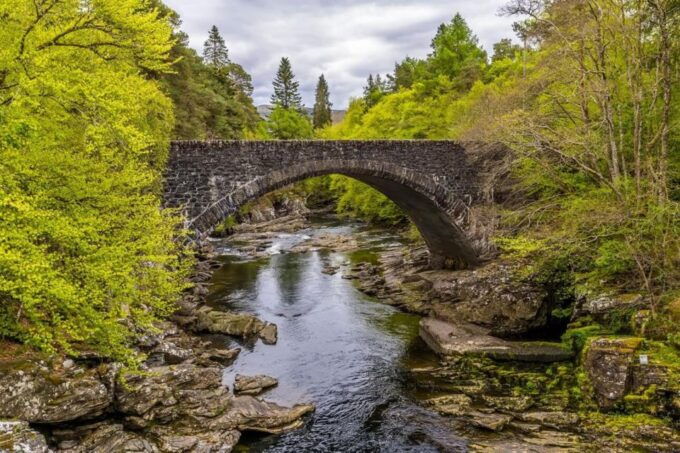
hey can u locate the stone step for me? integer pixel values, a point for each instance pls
(447, 338)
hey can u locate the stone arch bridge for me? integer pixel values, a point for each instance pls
(438, 184)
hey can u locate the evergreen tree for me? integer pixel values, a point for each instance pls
(456, 52)
(322, 105)
(215, 51)
(286, 88)
(375, 89)
(210, 101)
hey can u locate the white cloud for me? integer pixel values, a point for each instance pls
(344, 39)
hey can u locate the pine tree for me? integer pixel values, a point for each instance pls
(215, 51)
(286, 88)
(374, 90)
(322, 104)
(370, 86)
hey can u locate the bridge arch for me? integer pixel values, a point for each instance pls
(431, 206)
(435, 182)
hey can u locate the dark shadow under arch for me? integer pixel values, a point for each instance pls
(425, 201)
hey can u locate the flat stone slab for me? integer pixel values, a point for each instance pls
(447, 338)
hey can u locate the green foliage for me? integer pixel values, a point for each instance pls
(87, 257)
(322, 105)
(361, 201)
(215, 52)
(211, 95)
(596, 177)
(408, 72)
(505, 49)
(286, 88)
(287, 124)
(577, 338)
(374, 90)
(456, 53)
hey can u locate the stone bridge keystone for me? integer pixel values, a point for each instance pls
(436, 183)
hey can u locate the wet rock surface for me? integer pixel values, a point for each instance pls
(238, 324)
(253, 385)
(503, 395)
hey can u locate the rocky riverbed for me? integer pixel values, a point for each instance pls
(508, 375)
(505, 376)
(176, 401)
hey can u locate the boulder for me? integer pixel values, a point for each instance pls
(19, 437)
(447, 338)
(36, 393)
(165, 394)
(269, 333)
(608, 363)
(492, 296)
(186, 404)
(238, 324)
(221, 356)
(599, 306)
(171, 353)
(253, 385)
(171, 441)
(247, 413)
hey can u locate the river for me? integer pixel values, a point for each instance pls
(338, 349)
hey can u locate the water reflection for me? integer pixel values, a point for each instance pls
(337, 348)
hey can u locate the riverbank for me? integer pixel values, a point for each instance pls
(493, 387)
(513, 377)
(510, 376)
(175, 402)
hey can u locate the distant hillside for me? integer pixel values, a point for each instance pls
(265, 109)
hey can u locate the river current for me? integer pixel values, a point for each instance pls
(337, 348)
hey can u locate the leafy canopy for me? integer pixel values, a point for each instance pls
(87, 257)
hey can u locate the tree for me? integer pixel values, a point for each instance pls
(88, 259)
(406, 73)
(286, 88)
(289, 124)
(374, 90)
(322, 105)
(456, 53)
(215, 52)
(211, 101)
(505, 49)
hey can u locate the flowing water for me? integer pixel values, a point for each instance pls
(337, 348)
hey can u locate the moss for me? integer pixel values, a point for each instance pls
(225, 227)
(646, 402)
(673, 310)
(663, 354)
(576, 338)
(620, 422)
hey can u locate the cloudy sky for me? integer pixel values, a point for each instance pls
(344, 39)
